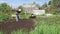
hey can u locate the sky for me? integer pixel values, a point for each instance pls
(16, 3)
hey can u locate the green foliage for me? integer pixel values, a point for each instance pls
(53, 11)
(21, 7)
(24, 15)
(45, 29)
(1, 32)
(49, 3)
(56, 3)
(19, 32)
(38, 6)
(3, 17)
(47, 25)
(4, 8)
(50, 25)
(49, 11)
(43, 25)
(53, 20)
(44, 5)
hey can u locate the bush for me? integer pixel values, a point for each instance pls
(53, 11)
(3, 17)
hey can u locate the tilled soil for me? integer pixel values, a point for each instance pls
(11, 25)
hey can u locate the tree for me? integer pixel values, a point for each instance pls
(21, 7)
(38, 6)
(44, 6)
(56, 3)
(22, 10)
(4, 8)
(49, 3)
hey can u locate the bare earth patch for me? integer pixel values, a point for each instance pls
(10, 25)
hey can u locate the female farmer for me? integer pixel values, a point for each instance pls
(17, 14)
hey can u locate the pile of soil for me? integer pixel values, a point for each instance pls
(11, 25)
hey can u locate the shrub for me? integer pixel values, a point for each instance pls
(3, 17)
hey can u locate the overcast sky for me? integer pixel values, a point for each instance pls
(16, 3)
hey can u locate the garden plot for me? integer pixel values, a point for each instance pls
(10, 25)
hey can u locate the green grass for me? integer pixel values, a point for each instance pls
(43, 29)
(43, 25)
(1, 32)
(3, 17)
(46, 25)
(24, 16)
(19, 32)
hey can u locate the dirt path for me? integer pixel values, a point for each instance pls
(10, 25)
